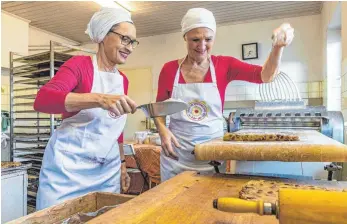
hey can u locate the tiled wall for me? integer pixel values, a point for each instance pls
(239, 90)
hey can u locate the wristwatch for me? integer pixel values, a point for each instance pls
(122, 161)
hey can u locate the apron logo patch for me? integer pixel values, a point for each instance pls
(197, 110)
(113, 115)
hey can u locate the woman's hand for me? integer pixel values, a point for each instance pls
(167, 140)
(125, 178)
(118, 104)
(283, 35)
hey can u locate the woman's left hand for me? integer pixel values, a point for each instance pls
(283, 35)
(125, 178)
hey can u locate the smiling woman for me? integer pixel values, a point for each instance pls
(81, 155)
(200, 79)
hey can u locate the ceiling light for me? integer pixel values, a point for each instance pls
(115, 4)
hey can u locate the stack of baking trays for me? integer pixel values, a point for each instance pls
(30, 130)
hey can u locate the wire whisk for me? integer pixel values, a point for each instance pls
(282, 88)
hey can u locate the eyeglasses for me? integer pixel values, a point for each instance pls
(125, 40)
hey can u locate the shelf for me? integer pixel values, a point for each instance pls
(34, 127)
(31, 157)
(31, 96)
(44, 72)
(23, 104)
(17, 152)
(36, 65)
(35, 119)
(31, 193)
(25, 111)
(33, 81)
(31, 141)
(25, 89)
(44, 56)
(31, 135)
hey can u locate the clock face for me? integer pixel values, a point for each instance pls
(250, 51)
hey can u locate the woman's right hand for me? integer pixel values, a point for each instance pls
(118, 104)
(167, 140)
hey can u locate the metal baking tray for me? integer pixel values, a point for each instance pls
(33, 172)
(36, 65)
(32, 149)
(31, 135)
(25, 89)
(34, 127)
(43, 57)
(36, 119)
(24, 104)
(22, 167)
(31, 157)
(31, 141)
(31, 201)
(31, 193)
(43, 72)
(22, 152)
(34, 81)
(31, 96)
(25, 111)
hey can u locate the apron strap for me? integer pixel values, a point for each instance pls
(177, 76)
(213, 72)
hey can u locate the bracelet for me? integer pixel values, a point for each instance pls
(122, 161)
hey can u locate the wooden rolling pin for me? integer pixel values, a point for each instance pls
(294, 206)
(312, 147)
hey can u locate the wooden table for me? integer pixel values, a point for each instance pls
(187, 198)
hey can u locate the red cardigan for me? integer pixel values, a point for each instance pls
(76, 75)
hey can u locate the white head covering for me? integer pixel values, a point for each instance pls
(103, 20)
(198, 17)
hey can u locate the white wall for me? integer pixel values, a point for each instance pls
(14, 37)
(344, 61)
(301, 61)
(334, 69)
(41, 37)
(327, 14)
(344, 29)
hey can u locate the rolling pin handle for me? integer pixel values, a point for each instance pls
(215, 164)
(215, 203)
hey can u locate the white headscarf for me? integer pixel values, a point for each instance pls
(103, 20)
(198, 17)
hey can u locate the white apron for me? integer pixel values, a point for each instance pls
(83, 154)
(201, 122)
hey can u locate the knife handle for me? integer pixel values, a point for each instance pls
(237, 205)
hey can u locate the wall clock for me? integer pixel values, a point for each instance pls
(249, 51)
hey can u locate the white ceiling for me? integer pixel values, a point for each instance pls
(69, 19)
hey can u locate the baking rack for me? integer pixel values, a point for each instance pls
(29, 129)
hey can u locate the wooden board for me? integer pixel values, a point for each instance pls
(312, 147)
(86, 203)
(187, 198)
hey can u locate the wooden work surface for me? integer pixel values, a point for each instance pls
(187, 198)
(312, 147)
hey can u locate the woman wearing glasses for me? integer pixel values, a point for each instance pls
(85, 153)
(201, 80)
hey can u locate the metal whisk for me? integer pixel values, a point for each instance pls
(282, 88)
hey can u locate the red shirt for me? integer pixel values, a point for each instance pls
(75, 75)
(227, 69)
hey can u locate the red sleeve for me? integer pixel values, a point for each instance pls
(126, 86)
(51, 97)
(238, 70)
(163, 91)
